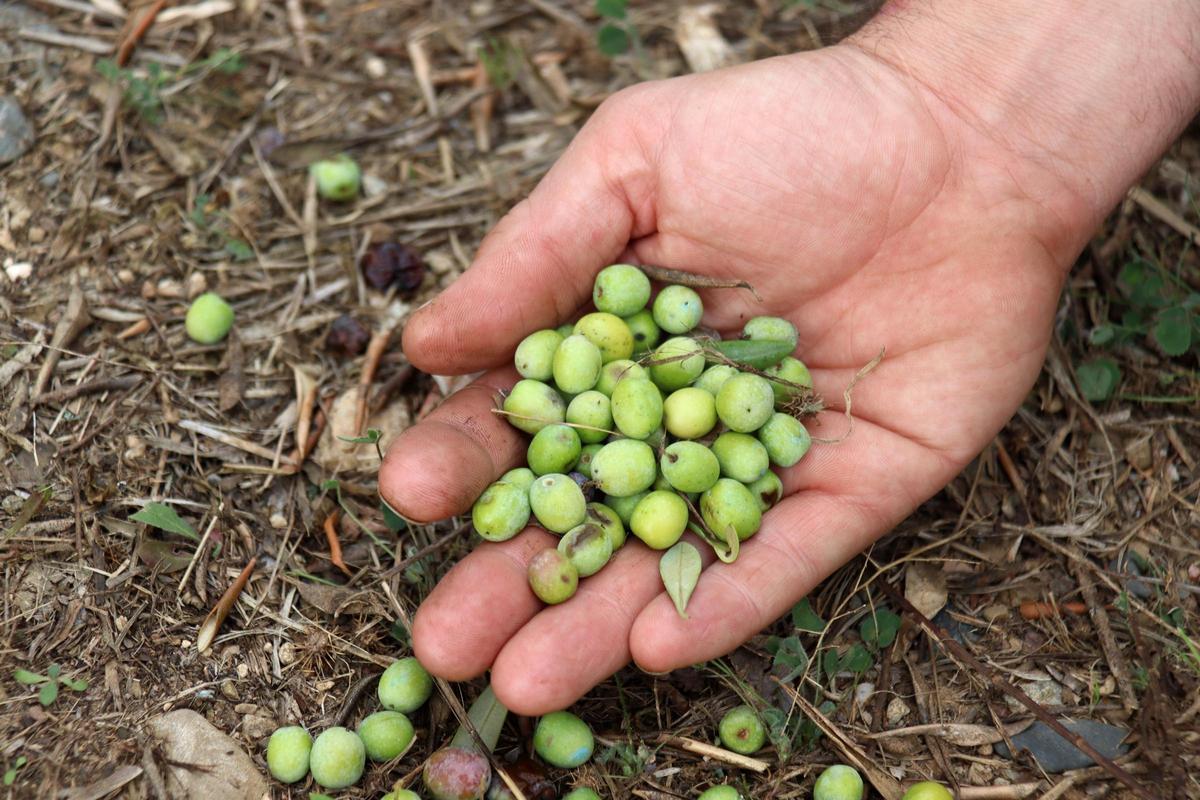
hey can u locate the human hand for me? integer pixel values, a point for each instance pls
(863, 209)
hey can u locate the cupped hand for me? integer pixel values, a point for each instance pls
(864, 209)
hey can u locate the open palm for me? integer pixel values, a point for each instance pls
(862, 209)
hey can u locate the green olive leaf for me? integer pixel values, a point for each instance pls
(28, 678)
(757, 353)
(163, 517)
(49, 693)
(680, 571)
(487, 714)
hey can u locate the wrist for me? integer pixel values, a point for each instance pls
(1089, 94)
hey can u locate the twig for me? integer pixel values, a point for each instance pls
(695, 281)
(1163, 212)
(862, 373)
(1033, 609)
(379, 342)
(1112, 652)
(335, 546)
(231, 440)
(91, 387)
(73, 321)
(715, 753)
(352, 698)
(961, 653)
(212, 623)
(139, 30)
(423, 552)
(884, 783)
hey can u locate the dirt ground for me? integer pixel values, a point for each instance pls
(1064, 561)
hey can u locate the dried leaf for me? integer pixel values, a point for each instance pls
(208, 630)
(331, 599)
(232, 380)
(162, 556)
(164, 518)
(925, 587)
(29, 509)
(680, 570)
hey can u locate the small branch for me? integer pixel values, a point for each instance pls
(961, 653)
(335, 546)
(690, 279)
(125, 51)
(91, 387)
(715, 753)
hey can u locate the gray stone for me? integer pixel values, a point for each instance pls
(1055, 754)
(16, 134)
(200, 761)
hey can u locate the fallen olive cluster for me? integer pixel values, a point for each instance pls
(676, 435)
(337, 757)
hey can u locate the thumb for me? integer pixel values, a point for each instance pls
(536, 267)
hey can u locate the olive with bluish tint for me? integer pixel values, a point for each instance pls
(767, 490)
(742, 731)
(338, 758)
(584, 465)
(792, 370)
(552, 576)
(785, 439)
(557, 502)
(645, 333)
(624, 467)
(563, 740)
(386, 735)
(741, 456)
(532, 405)
(535, 354)
(577, 363)
(729, 504)
(838, 782)
(745, 402)
(591, 409)
(659, 520)
(624, 506)
(587, 547)
(689, 467)
(713, 378)
(501, 512)
(637, 407)
(288, 752)
(621, 289)
(677, 309)
(689, 413)
(614, 371)
(404, 686)
(609, 333)
(519, 476)
(555, 448)
(609, 521)
(775, 329)
(685, 366)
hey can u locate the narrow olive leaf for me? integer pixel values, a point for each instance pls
(29, 509)
(693, 280)
(163, 517)
(28, 678)
(680, 571)
(487, 714)
(212, 623)
(758, 353)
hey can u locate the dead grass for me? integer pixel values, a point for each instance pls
(134, 211)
